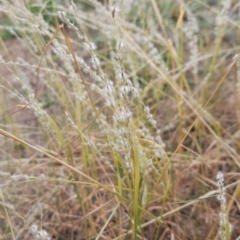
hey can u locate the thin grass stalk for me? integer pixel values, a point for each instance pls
(8, 217)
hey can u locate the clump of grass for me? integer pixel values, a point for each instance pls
(143, 114)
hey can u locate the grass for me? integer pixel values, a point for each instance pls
(120, 120)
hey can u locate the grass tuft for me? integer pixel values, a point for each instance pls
(116, 116)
